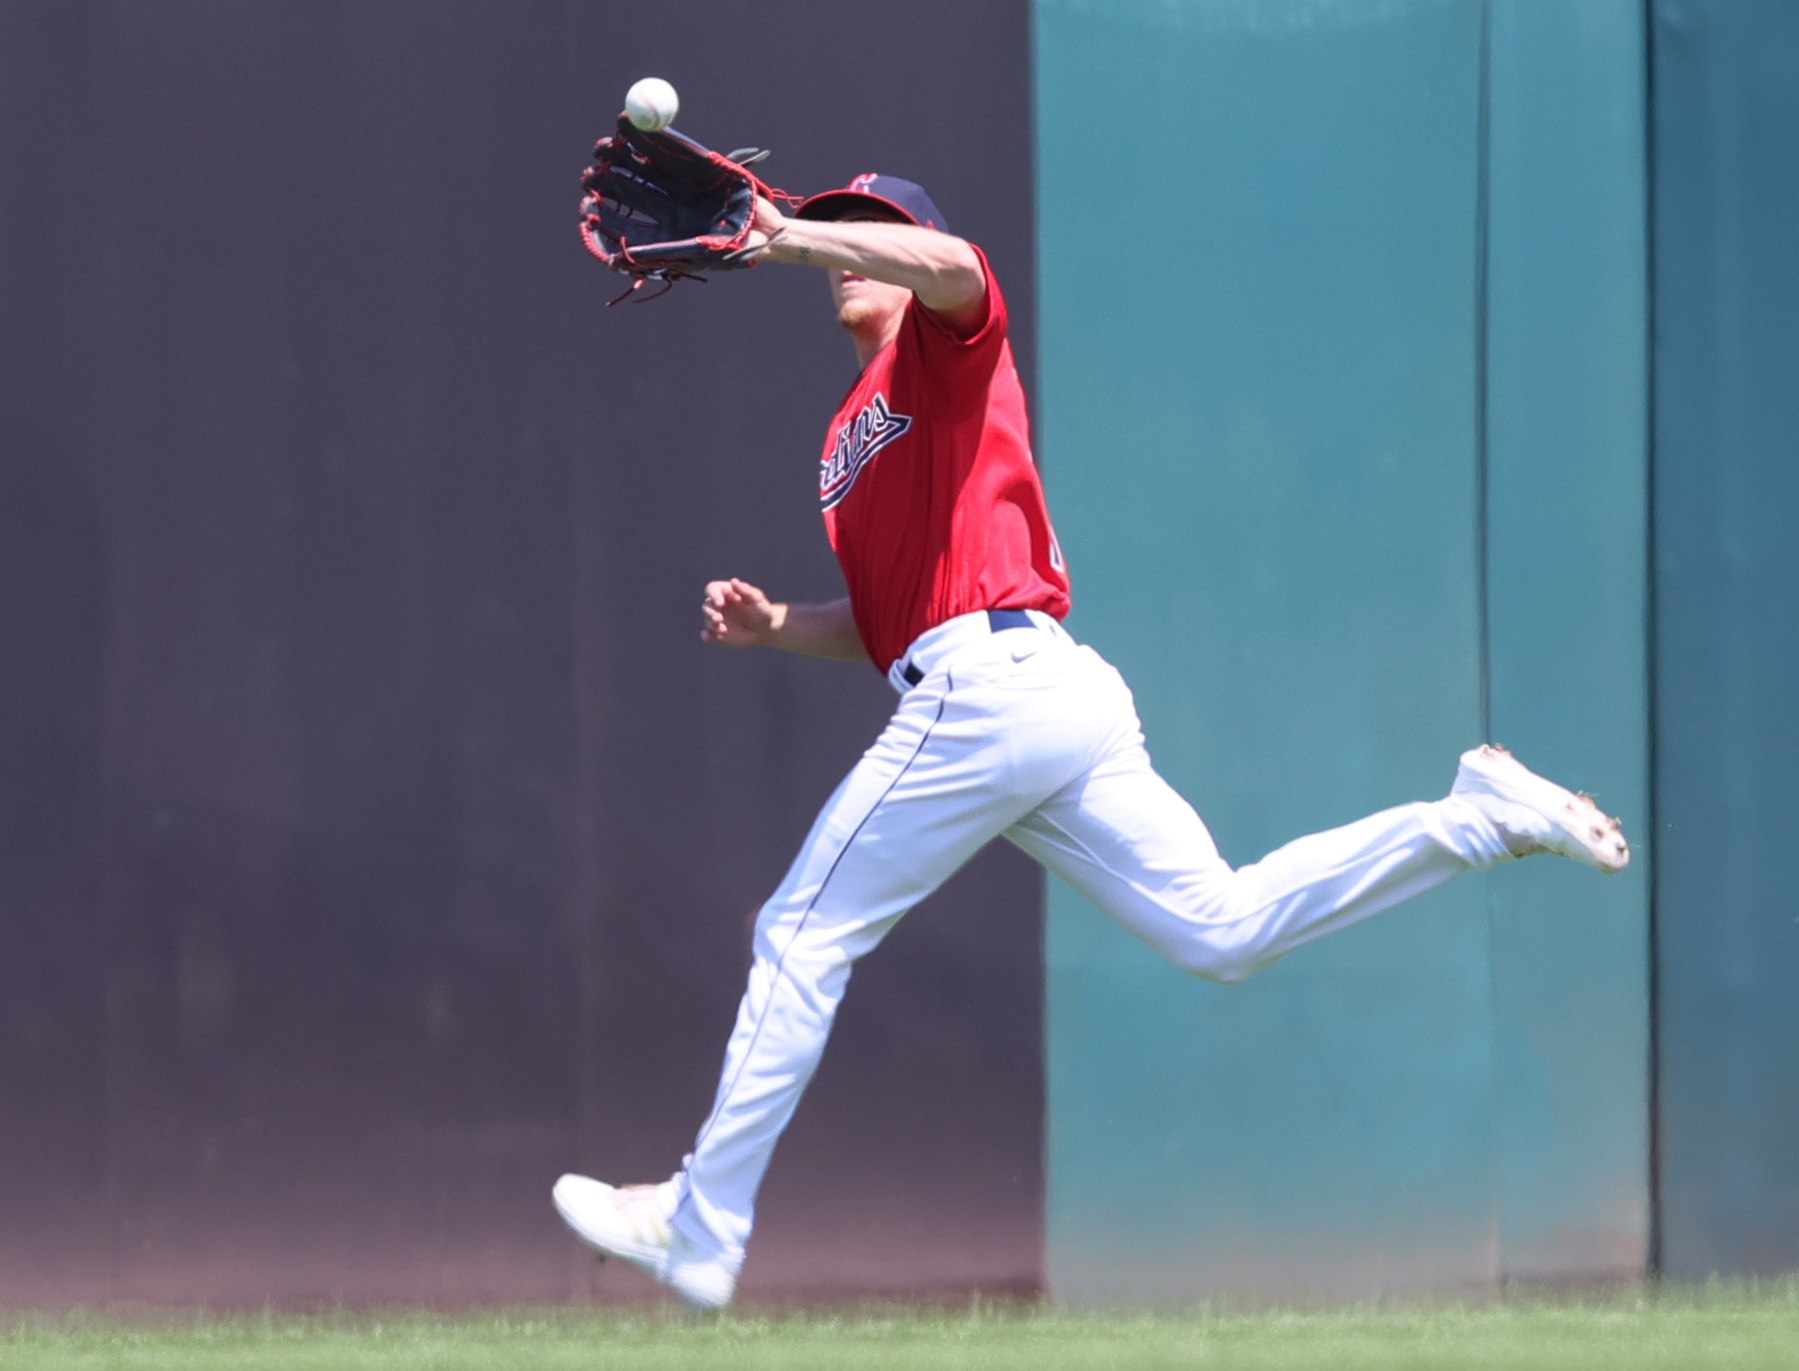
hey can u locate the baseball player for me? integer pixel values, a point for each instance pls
(1006, 727)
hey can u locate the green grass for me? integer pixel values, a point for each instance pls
(1718, 1326)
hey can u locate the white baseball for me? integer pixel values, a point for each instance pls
(652, 103)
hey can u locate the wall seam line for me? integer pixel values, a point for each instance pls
(1483, 135)
(1651, 651)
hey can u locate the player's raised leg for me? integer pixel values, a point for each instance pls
(1125, 839)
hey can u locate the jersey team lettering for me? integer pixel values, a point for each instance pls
(857, 442)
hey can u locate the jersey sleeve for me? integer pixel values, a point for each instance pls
(960, 361)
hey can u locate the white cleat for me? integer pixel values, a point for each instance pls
(626, 1222)
(631, 1223)
(1567, 823)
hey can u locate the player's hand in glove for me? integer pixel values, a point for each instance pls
(766, 225)
(658, 206)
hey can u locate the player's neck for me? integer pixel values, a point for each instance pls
(872, 319)
(874, 336)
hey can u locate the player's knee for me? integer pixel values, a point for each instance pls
(762, 943)
(1225, 965)
(807, 956)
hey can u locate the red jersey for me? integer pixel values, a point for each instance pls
(930, 493)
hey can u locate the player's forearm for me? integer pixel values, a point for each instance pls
(822, 630)
(944, 272)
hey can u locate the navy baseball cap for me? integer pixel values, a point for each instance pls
(869, 192)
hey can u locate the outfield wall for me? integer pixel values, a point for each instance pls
(376, 840)
(1344, 414)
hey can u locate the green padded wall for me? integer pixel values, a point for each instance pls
(1260, 412)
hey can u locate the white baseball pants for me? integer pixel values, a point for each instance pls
(1022, 734)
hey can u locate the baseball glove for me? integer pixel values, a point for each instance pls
(659, 207)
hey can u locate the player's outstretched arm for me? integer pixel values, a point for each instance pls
(739, 614)
(943, 271)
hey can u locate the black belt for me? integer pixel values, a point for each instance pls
(998, 621)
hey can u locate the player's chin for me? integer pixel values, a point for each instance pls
(856, 313)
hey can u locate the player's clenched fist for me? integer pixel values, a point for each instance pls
(738, 614)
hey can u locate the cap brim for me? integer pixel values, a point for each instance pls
(835, 204)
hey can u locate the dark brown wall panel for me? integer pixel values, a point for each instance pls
(376, 838)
